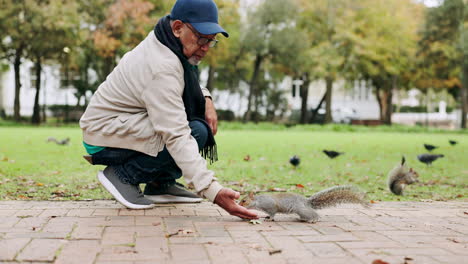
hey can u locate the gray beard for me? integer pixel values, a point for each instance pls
(194, 61)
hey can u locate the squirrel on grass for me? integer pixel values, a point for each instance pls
(400, 176)
(291, 203)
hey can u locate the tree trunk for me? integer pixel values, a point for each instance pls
(464, 92)
(379, 100)
(304, 92)
(314, 113)
(328, 100)
(384, 96)
(389, 110)
(210, 81)
(16, 67)
(36, 117)
(253, 87)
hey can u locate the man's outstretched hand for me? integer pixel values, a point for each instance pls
(226, 200)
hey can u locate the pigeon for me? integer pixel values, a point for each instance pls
(430, 147)
(453, 142)
(332, 154)
(59, 142)
(64, 141)
(429, 158)
(295, 160)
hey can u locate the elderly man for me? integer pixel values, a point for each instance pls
(150, 120)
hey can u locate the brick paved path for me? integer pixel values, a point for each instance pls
(105, 232)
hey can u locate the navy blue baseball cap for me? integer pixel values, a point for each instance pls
(201, 14)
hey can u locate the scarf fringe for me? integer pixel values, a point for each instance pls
(211, 152)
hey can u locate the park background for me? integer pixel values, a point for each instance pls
(375, 79)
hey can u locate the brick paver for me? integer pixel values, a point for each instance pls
(105, 232)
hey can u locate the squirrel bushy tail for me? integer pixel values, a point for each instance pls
(337, 195)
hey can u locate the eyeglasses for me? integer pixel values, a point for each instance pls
(202, 40)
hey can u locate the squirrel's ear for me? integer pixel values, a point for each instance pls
(411, 169)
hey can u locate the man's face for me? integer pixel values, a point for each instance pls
(191, 40)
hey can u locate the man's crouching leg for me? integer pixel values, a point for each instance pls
(165, 189)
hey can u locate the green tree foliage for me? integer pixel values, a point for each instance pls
(226, 62)
(15, 36)
(327, 26)
(382, 42)
(270, 35)
(126, 23)
(54, 26)
(442, 50)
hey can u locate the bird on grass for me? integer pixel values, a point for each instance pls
(64, 141)
(453, 142)
(429, 158)
(295, 160)
(332, 154)
(430, 147)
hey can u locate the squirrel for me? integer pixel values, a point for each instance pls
(400, 176)
(290, 203)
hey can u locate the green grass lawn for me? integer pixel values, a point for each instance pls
(33, 169)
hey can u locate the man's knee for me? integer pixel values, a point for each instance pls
(199, 132)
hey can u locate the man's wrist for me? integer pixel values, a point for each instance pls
(211, 192)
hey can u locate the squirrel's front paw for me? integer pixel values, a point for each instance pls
(311, 220)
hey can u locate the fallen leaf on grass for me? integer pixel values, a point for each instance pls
(274, 189)
(372, 201)
(60, 193)
(91, 186)
(247, 158)
(39, 184)
(459, 196)
(5, 159)
(274, 251)
(300, 186)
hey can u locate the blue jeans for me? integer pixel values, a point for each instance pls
(134, 167)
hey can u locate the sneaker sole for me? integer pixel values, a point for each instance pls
(167, 198)
(111, 188)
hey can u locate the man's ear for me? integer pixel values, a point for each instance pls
(177, 26)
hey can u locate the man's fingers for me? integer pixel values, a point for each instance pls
(214, 128)
(244, 213)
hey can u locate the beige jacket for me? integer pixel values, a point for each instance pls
(140, 107)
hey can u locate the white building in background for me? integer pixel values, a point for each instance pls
(347, 102)
(52, 89)
(355, 101)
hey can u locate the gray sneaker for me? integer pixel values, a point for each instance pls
(127, 194)
(170, 193)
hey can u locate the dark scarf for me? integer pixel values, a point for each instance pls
(193, 98)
